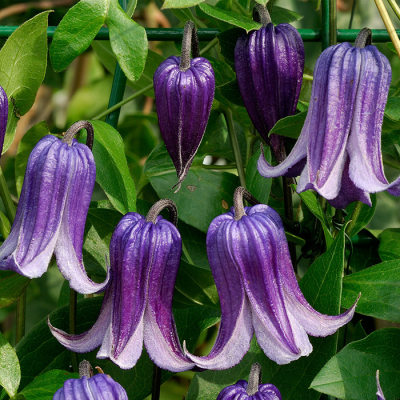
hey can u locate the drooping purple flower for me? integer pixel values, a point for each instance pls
(340, 142)
(137, 306)
(3, 116)
(379, 392)
(258, 290)
(90, 387)
(52, 210)
(184, 92)
(269, 67)
(253, 390)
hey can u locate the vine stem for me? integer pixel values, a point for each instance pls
(72, 324)
(227, 112)
(389, 25)
(20, 317)
(155, 392)
(395, 8)
(354, 217)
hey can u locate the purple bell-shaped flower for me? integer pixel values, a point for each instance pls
(269, 65)
(250, 262)
(184, 92)
(90, 387)
(52, 210)
(253, 390)
(340, 143)
(137, 307)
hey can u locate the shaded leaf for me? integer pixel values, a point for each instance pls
(180, 3)
(12, 286)
(389, 244)
(290, 126)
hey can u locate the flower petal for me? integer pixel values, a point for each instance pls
(235, 331)
(68, 249)
(160, 336)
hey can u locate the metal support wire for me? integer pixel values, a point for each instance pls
(328, 23)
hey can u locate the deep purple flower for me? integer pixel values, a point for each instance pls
(91, 387)
(137, 306)
(341, 137)
(269, 67)
(3, 116)
(379, 392)
(184, 92)
(253, 390)
(258, 290)
(52, 210)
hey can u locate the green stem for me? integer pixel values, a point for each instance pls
(20, 317)
(235, 145)
(155, 391)
(395, 8)
(6, 197)
(209, 46)
(130, 9)
(354, 217)
(72, 324)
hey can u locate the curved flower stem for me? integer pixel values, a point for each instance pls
(364, 38)
(72, 324)
(254, 379)
(85, 369)
(158, 207)
(75, 128)
(389, 25)
(261, 15)
(20, 317)
(190, 43)
(240, 193)
(235, 145)
(155, 392)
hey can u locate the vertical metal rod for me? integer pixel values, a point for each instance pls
(118, 87)
(332, 22)
(328, 23)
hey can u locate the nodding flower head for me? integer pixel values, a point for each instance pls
(184, 92)
(258, 291)
(137, 307)
(52, 210)
(339, 148)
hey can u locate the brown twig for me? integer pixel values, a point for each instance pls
(41, 5)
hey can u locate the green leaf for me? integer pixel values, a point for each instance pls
(281, 15)
(5, 226)
(25, 147)
(350, 374)
(180, 3)
(389, 245)
(322, 287)
(112, 172)
(310, 199)
(10, 372)
(379, 286)
(44, 386)
(128, 41)
(359, 215)
(197, 284)
(23, 60)
(204, 193)
(11, 287)
(290, 126)
(229, 16)
(257, 185)
(76, 31)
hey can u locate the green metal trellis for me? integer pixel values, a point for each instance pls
(327, 35)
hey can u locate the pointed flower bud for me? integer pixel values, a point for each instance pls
(341, 137)
(184, 92)
(3, 116)
(91, 387)
(250, 262)
(137, 306)
(253, 390)
(52, 210)
(269, 67)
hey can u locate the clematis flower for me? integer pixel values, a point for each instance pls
(379, 392)
(340, 142)
(90, 387)
(269, 64)
(258, 290)
(137, 306)
(253, 390)
(52, 210)
(3, 116)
